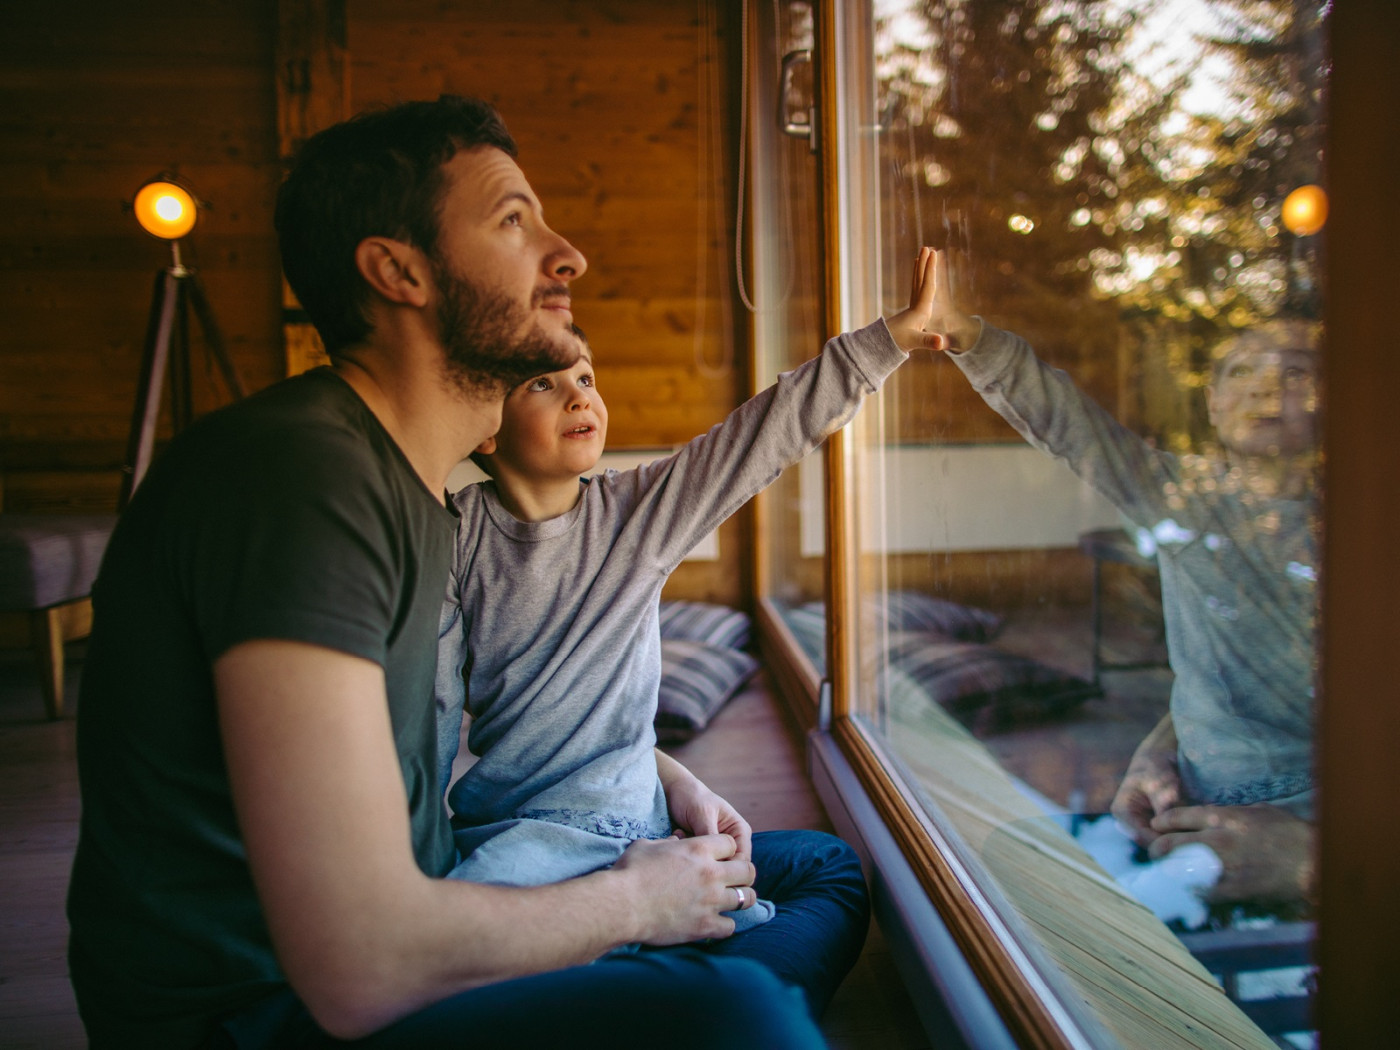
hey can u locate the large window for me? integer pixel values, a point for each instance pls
(787, 300)
(1081, 571)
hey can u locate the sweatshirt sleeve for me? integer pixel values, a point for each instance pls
(1055, 416)
(684, 497)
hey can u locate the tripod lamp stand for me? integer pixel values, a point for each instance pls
(168, 210)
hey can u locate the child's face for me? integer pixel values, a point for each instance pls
(553, 426)
(1264, 400)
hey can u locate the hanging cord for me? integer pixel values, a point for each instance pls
(743, 155)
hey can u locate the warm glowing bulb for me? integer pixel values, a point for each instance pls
(165, 209)
(169, 209)
(1305, 210)
(1021, 223)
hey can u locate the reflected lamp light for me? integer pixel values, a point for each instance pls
(165, 209)
(1305, 210)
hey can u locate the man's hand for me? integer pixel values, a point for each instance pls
(933, 321)
(1152, 784)
(679, 886)
(1266, 851)
(696, 810)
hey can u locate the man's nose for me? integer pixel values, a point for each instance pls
(565, 262)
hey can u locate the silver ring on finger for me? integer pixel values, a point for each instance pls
(742, 900)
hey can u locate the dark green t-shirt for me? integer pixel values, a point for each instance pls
(290, 515)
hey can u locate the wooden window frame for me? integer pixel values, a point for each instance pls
(1357, 741)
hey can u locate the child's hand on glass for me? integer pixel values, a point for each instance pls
(933, 321)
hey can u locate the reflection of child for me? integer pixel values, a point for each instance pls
(551, 616)
(1231, 765)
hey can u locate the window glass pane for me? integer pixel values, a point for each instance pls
(1132, 190)
(786, 293)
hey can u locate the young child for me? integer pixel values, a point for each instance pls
(550, 634)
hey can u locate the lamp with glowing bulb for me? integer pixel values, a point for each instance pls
(167, 209)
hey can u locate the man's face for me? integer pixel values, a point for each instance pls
(502, 276)
(1264, 399)
(553, 426)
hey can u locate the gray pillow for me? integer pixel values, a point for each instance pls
(916, 611)
(696, 680)
(988, 689)
(704, 622)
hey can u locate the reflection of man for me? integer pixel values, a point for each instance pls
(1231, 765)
(263, 836)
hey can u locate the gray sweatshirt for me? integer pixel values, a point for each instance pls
(1238, 572)
(552, 628)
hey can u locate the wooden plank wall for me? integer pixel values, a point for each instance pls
(98, 98)
(625, 123)
(621, 113)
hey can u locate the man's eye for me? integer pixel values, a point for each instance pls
(513, 219)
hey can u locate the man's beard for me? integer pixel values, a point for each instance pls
(480, 331)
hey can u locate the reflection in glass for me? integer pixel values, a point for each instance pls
(787, 292)
(1110, 182)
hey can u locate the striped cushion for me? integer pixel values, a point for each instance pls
(808, 625)
(696, 680)
(916, 611)
(704, 622)
(988, 689)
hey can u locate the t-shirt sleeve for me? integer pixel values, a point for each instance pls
(295, 542)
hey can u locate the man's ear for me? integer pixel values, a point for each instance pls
(396, 271)
(487, 447)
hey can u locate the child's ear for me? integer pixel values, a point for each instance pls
(487, 447)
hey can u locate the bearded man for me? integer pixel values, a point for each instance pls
(263, 837)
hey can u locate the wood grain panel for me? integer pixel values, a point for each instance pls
(624, 127)
(624, 123)
(98, 99)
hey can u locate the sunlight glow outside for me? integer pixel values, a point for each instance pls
(165, 210)
(1305, 210)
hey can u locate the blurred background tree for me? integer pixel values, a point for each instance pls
(1110, 175)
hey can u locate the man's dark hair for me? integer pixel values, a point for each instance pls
(378, 174)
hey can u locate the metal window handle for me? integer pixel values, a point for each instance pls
(797, 129)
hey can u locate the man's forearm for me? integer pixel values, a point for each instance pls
(361, 933)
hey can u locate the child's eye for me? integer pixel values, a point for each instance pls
(586, 380)
(538, 385)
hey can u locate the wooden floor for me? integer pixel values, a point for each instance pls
(749, 754)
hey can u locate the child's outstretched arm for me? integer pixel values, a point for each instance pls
(933, 320)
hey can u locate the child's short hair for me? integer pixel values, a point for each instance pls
(1274, 334)
(483, 462)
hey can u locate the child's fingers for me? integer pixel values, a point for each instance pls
(941, 285)
(922, 296)
(916, 284)
(928, 280)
